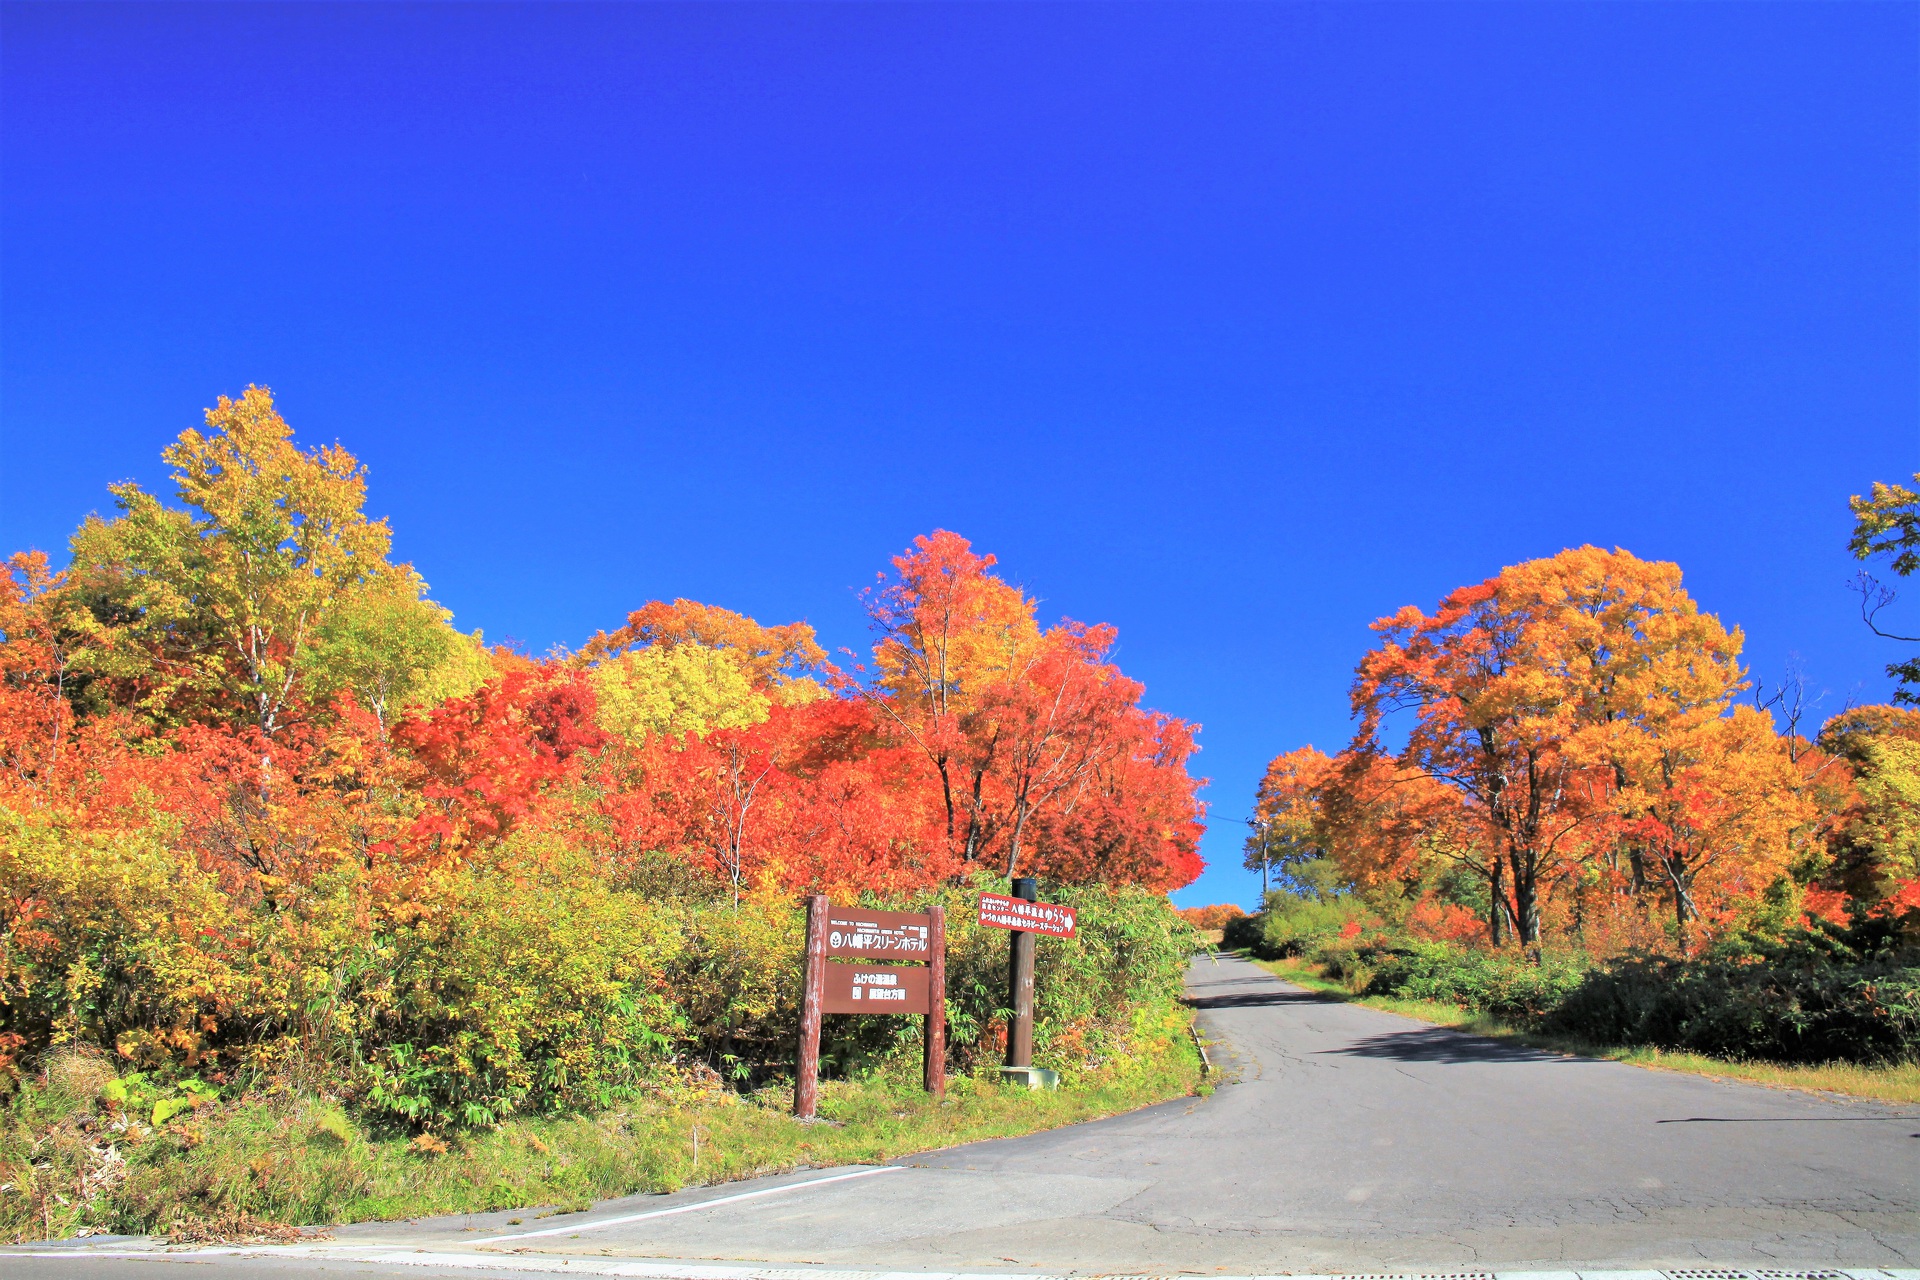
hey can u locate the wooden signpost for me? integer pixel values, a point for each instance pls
(855, 933)
(1025, 916)
(1000, 912)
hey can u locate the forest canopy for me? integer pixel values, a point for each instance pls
(261, 799)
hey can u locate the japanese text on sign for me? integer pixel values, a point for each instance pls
(997, 911)
(899, 935)
(866, 989)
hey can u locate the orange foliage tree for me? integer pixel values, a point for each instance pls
(1579, 709)
(1286, 812)
(1027, 731)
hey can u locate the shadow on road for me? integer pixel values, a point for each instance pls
(1436, 1044)
(1778, 1119)
(1258, 999)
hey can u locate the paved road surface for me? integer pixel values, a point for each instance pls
(1350, 1140)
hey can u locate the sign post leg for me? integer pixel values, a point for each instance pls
(806, 1084)
(936, 1037)
(1020, 984)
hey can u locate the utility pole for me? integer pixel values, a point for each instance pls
(1259, 826)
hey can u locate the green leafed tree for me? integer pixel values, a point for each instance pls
(389, 647)
(269, 594)
(1886, 527)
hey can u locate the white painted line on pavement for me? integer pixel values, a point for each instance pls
(689, 1208)
(671, 1271)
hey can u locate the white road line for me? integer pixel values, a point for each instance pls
(689, 1208)
(668, 1271)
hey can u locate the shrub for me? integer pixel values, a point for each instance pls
(532, 979)
(1832, 995)
(531, 990)
(112, 938)
(1244, 934)
(1510, 987)
(1292, 925)
(737, 983)
(1798, 1002)
(1130, 954)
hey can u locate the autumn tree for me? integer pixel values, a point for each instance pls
(769, 657)
(673, 691)
(1712, 803)
(388, 647)
(1217, 916)
(1876, 841)
(36, 670)
(1045, 727)
(1487, 721)
(1286, 810)
(701, 682)
(1025, 730)
(1886, 524)
(948, 630)
(1398, 835)
(1137, 820)
(1545, 694)
(227, 611)
(489, 756)
(687, 667)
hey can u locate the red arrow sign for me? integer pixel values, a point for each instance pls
(997, 911)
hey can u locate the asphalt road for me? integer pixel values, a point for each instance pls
(1348, 1140)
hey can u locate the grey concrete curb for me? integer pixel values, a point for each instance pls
(589, 1266)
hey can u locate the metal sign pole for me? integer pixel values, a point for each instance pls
(936, 1037)
(806, 1085)
(1020, 984)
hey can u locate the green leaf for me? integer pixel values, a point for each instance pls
(167, 1108)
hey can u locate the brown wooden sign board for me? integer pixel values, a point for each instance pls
(871, 988)
(865, 988)
(997, 911)
(855, 932)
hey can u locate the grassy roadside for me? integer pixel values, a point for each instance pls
(1898, 1083)
(245, 1168)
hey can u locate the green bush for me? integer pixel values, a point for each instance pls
(1292, 925)
(737, 984)
(1812, 998)
(517, 991)
(1244, 934)
(1833, 995)
(529, 981)
(1510, 987)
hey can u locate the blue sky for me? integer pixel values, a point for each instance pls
(1237, 326)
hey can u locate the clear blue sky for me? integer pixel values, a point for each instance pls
(1235, 326)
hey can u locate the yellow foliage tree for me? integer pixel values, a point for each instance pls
(672, 691)
(233, 609)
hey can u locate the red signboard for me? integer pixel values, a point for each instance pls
(890, 935)
(872, 988)
(997, 911)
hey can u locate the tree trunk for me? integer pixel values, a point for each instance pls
(1526, 901)
(1496, 901)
